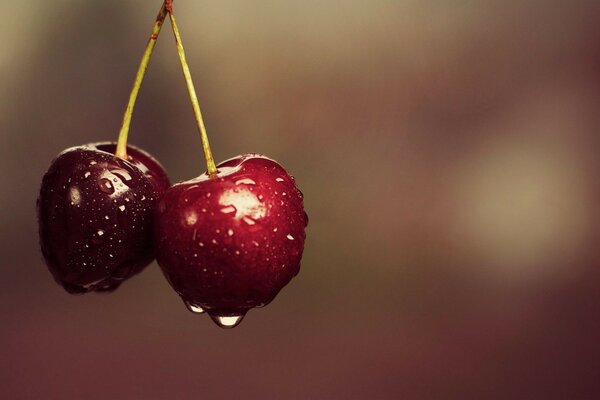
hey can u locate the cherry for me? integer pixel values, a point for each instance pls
(95, 208)
(232, 238)
(230, 241)
(95, 215)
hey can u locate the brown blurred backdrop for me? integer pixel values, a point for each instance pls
(449, 156)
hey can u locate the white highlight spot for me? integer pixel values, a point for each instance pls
(75, 196)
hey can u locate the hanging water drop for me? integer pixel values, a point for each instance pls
(194, 308)
(227, 321)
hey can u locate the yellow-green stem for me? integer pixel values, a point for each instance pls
(210, 163)
(121, 151)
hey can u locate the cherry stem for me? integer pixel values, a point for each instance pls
(121, 151)
(210, 163)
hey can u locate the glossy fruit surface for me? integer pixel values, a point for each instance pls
(230, 242)
(95, 215)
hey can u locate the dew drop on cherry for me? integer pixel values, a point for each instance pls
(249, 221)
(98, 237)
(228, 210)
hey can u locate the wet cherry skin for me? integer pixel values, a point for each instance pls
(95, 215)
(230, 242)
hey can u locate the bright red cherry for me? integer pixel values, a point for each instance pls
(95, 215)
(230, 241)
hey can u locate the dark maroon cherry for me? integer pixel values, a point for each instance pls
(95, 215)
(230, 242)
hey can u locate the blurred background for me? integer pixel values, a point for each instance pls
(449, 156)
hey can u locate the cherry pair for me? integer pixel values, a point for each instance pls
(227, 241)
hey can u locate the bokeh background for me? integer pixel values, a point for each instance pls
(449, 156)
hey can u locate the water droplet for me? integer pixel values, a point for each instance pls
(245, 181)
(93, 163)
(106, 186)
(228, 210)
(249, 220)
(191, 218)
(290, 237)
(227, 321)
(87, 174)
(201, 244)
(97, 238)
(208, 194)
(260, 197)
(122, 208)
(194, 308)
(274, 229)
(106, 217)
(280, 180)
(284, 194)
(230, 232)
(255, 243)
(214, 241)
(75, 196)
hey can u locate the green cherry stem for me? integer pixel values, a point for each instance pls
(210, 163)
(121, 151)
